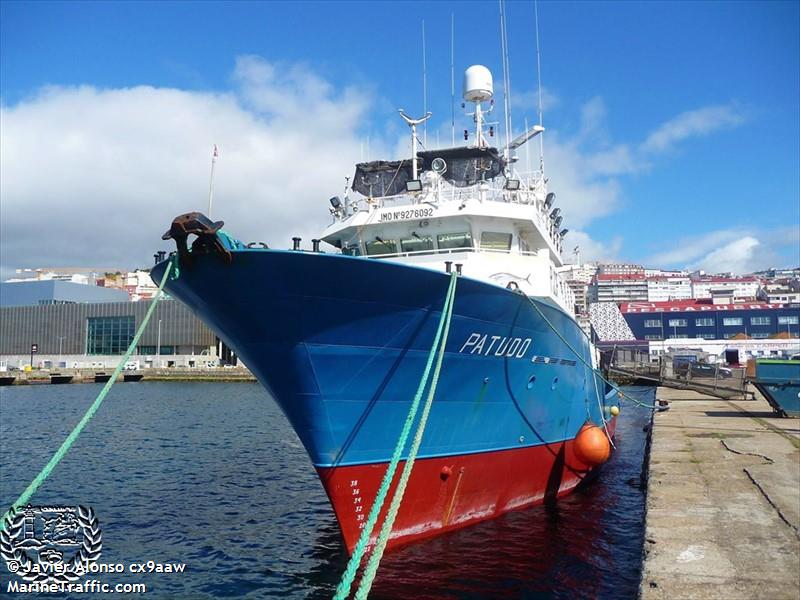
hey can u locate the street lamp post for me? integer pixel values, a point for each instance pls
(158, 343)
(60, 341)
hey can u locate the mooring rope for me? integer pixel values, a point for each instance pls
(343, 589)
(53, 462)
(383, 537)
(594, 370)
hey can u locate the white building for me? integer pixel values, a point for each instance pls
(663, 273)
(739, 287)
(670, 287)
(140, 285)
(620, 269)
(628, 287)
(780, 295)
(748, 348)
(583, 273)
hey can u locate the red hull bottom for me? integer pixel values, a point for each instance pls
(453, 491)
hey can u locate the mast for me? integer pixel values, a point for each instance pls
(452, 79)
(539, 79)
(424, 91)
(211, 180)
(506, 75)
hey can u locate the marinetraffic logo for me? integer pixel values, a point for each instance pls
(45, 544)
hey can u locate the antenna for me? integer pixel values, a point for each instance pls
(539, 79)
(413, 124)
(424, 89)
(211, 181)
(506, 73)
(452, 78)
(527, 153)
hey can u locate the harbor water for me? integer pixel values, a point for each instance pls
(212, 476)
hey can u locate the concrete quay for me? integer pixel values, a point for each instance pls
(148, 374)
(723, 501)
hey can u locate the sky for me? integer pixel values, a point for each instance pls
(672, 128)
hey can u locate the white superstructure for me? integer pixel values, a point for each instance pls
(467, 206)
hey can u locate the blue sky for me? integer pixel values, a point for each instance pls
(672, 127)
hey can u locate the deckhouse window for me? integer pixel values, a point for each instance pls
(381, 246)
(419, 244)
(352, 250)
(491, 240)
(449, 241)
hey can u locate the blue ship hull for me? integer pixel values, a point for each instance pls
(341, 343)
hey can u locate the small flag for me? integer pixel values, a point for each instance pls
(216, 152)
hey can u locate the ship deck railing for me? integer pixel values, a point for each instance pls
(532, 194)
(471, 250)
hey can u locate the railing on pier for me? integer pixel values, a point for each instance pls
(677, 371)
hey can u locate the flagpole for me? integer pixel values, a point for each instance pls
(211, 182)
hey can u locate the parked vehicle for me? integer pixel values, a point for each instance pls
(705, 370)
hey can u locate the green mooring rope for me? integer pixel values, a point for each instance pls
(48, 468)
(343, 589)
(595, 371)
(383, 538)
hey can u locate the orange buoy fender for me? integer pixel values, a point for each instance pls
(591, 445)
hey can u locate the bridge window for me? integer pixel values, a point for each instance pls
(707, 322)
(448, 241)
(652, 323)
(420, 244)
(731, 321)
(491, 240)
(378, 247)
(352, 250)
(760, 320)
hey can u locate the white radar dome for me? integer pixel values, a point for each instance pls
(478, 85)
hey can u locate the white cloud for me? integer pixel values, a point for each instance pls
(692, 123)
(527, 102)
(591, 250)
(94, 177)
(688, 251)
(734, 250)
(583, 172)
(738, 256)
